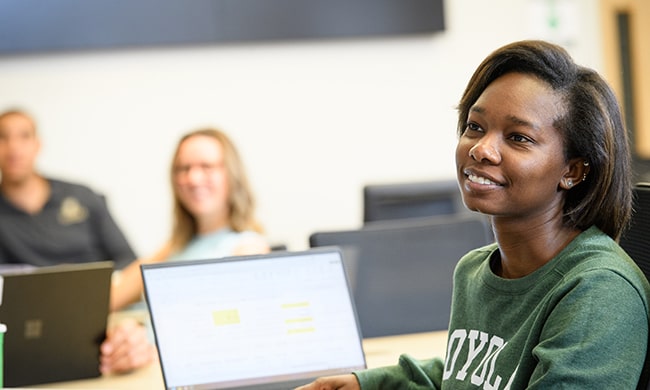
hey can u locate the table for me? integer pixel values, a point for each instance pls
(379, 351)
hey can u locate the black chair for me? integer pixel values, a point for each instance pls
(401, 272)
(411, 200)
(636, 242)
(278, 247)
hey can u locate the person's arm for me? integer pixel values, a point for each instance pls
(127, 284)
(335, 382)
(409, 374)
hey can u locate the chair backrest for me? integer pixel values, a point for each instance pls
(636, 242)
(401, 272)
(411, 200)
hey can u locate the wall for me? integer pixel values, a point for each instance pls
(315, 120)
(639, 87)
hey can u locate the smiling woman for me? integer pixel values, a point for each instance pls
(213, 208)
(554, 302)
(214, 216)
(508, 153)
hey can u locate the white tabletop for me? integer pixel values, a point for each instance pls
(379, 351)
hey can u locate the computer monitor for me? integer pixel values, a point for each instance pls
(411, 200)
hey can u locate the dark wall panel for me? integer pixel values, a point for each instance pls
(55, 25)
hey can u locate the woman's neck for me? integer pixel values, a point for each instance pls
(524, 249)
(211, 224)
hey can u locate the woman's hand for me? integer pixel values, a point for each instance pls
(336, 382)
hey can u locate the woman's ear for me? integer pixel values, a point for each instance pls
(578, 171)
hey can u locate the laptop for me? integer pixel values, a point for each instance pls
(273, 321)
(56, 319)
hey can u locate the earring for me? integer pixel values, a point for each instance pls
(569, 183)
(584, 176)
(585, 163)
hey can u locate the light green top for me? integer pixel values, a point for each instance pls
(221, 243)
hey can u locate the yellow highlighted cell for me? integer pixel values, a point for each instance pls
(225, 317)
(294, 305)
(295, 320)
(301, 330)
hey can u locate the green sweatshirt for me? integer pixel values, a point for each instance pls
(578, 322)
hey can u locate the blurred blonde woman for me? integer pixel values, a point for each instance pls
(213, 211)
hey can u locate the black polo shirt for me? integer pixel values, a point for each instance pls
(74, 226)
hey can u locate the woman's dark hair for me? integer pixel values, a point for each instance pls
(592, 128)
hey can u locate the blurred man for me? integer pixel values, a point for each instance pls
(44, 221)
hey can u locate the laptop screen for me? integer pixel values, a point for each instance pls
(249, 322)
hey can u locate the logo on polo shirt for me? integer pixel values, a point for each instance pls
(33, 329)
(72, 211)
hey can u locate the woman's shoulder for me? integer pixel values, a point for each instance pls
(229, 235)
(223, 243)
(594, 250)
(250, 242)
(595, 257)
(478, 255)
